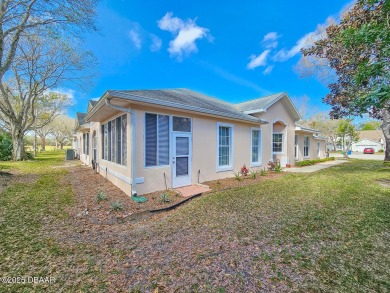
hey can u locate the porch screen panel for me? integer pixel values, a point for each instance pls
(163, 140)
(150, 140)
(113, 141)
(109, 135)
(224, 145)
(306, 146)
(124, 139)
(118, 140)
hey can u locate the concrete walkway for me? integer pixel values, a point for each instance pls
(314, 168)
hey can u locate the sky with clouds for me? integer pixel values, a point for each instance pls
(234, 51)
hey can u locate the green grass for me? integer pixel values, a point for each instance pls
(321, 232)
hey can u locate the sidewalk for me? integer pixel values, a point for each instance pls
(314, 168)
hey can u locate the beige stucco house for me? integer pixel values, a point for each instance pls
(150, 140)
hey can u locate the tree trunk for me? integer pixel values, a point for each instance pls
(386, 131)
(18, 147)
(43, 143)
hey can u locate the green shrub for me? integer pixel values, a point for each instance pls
(381, 151)
(237, 176)
(263, 172)
(5, 147)
(252, 174)
(100, 197)
(116, 206)
(312, 162)
(165, 198)
(278, 168)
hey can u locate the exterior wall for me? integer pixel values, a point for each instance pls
(278, 112)
(312, 147)
(204, 150)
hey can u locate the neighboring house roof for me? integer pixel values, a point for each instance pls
(306, 129)
(375, 141)
(374, 135)
(91, 104)
(180, 99)
(262, 104)
(80, 118)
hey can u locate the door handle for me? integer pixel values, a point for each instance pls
(173, 160)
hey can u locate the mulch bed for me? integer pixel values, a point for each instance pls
(86, 185)
(228, 183)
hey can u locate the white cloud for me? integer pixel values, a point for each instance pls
(260, 60)
(185, 32)
(156, 43)
(270, 40)
(268, 69)
(135, 38)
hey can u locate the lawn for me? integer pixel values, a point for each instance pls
(322, 232)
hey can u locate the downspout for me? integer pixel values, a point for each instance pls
(133, 144)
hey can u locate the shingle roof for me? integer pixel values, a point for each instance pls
(80, 118)
(260, 103)
(185, 99)
(374, 135)
(93, 103)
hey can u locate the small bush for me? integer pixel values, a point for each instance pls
(263, 172)
(380, 151)
(252, 174)
(116, 206)
(165, 198)
(313, 162)
(100, 197)
(278, 169)
(244, 170)
(237, 176)
(5, 147)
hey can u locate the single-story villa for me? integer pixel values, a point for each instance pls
(149, 140)
(369, 139)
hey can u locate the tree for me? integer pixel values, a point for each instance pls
(36, 56)
(370, 125)
(327, 126)
(358, 51)
(62, 130)
(347, 135)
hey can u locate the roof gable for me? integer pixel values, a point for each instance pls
(262, 104)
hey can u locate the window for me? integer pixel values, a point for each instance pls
(181, 124)
(296, 147)
(277, 142)
(318, 149)
(114, 140)
(225, 139)
(256, 147)
(306, 146)
(156, 140)
(86, 143)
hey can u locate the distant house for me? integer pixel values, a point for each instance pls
(369, 139)
(147, 140)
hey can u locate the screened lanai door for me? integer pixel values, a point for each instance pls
(181, 159)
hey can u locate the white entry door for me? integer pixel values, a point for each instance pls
(181, 159)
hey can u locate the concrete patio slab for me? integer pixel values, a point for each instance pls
(191, 190)
(314, 168)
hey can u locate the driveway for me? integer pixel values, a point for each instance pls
(356, 155)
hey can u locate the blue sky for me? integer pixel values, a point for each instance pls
(232, 50)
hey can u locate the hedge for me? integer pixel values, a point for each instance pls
(312, 162)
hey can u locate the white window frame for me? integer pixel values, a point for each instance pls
(272, 143)
(296, 146)
(318, 149)
(308, 146)
(259, 163)
(231, 148)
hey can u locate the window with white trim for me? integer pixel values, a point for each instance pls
(86, 143)
(318, 149)
(256, 146)
(306, 146)
(277, 142)
(296, 147)
(156, 140)
(114, 140)
(225, 142)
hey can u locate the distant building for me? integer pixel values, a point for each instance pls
(369, 139)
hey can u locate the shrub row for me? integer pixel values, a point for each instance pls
(312, 162)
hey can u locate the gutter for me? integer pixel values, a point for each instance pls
(133, 140)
